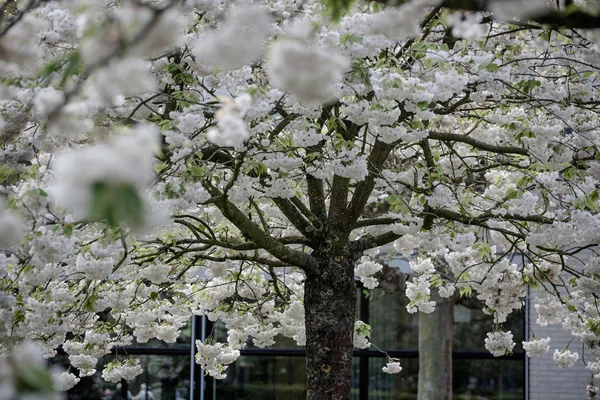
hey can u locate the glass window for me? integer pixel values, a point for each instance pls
(471, 326)
(402, 386)
(490, 379)
(392, 326)
(164, 378)
(264, 378)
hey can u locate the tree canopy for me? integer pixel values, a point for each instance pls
(250, 161)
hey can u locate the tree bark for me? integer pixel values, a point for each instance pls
(330, 307)
(435, 351)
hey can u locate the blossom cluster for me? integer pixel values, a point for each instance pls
(162, 159)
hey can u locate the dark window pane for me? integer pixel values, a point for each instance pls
(490, 379)
(471, 326)
(164, 378)
(354, 393)
(401, 386)
(472, 379)
(271, 378)
(392, 326)
(264, 378)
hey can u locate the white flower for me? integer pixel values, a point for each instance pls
(594, 367)
(12, 228)
(362, 333)
(565, 359)
(406, 244)
(537, 347)
(117, 370)
(86, 364)
(499, 343)
(306, 71)
(240, 40)
(65, 381)
(231, 129)
(425, 266)
(467, 25)
(400, 23)
(364, 269)
(123, 77)
(446, 291)
(392, 367)
(215, 358)
(127, 160)
(46, 101)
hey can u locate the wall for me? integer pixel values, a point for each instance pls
(546, 379)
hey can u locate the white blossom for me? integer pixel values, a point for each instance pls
(392, 367)
(239, 40)
(565, 359)
(306, 71)
(117, 370)
(537, 347)
(65, 381)
(499, 343)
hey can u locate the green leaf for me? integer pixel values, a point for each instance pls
(590, 203)
(116, 204)
(68, 230)
(465, 291)
(351, 38)
(89, 303)
(594, 326)
(33, 379)
(337, 8)
(436, 280)
(491, 67)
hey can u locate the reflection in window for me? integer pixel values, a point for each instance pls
(164, 378)
(488, 379)
(384, 386)
(264, 378)
(270, 378)
(394, 328)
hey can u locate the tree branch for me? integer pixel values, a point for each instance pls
(338, 203)
(294, 216)
(316, 197)
(545, 15)
(377, 158)
(257, 235)
(369, 242)
(453, 137)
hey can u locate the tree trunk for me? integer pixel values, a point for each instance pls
(435, 351)
(330, 304)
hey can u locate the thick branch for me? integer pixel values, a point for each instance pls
(545, 15)
(316, 197)
(244, 257)
(363, 191)
(375, 221)
(338, 203)
(369, 242)
(257, 235)
(306, 212)
(243, 246)
(454, 216)
(294, 216)
(453, 137)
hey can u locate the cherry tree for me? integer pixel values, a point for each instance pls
(249, 162)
